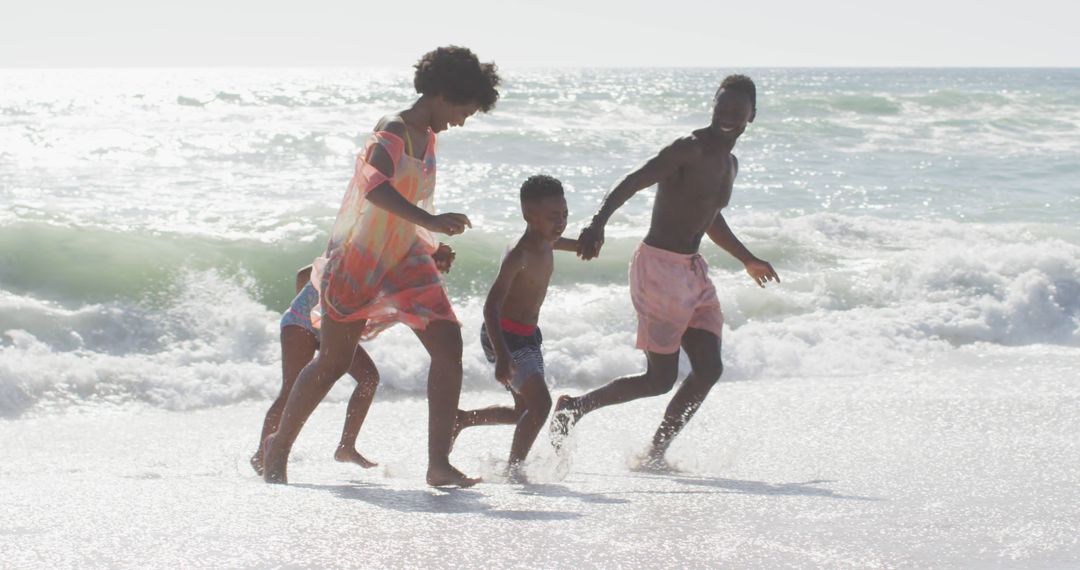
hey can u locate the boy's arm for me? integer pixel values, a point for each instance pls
(761, 271)
(566, 244)
(513, 263)
(659, 167)
(303, 276)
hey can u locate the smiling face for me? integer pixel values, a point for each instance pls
(446, 114)
(546, 216)
(731, 113)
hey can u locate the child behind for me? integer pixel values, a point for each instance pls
(509, 335)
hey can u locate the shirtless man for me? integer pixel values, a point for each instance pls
(675, 301)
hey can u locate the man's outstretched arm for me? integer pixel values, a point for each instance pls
(761, 271)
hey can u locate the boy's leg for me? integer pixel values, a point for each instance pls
(491, 415)
(442, 339)
(537, 405)
(703, 349)
(298, 346)
(365, 373)
(659, 378)
(339, 341)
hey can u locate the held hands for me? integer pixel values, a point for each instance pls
(590, 241)
(450, 224)
(761, 271)
(504, 369)
(444, 257)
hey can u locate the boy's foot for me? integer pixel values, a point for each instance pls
(566, 415)
(274, 467)
(345, 454)
(447, 476)
(256, 462)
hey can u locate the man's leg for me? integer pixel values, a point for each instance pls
(703, 350)
(338, 343)
(442, 339)
(659, 378)
(365, 373)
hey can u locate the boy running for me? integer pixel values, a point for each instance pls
(509, 335)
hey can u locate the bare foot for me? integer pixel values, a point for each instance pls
(447, 476)
(515, 474)
(256, 462)
(566, 415)
(275, 463)
(346, 454)
(655, 463)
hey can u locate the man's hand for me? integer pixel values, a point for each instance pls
(590, 241)
(504, 369)
(761, 272)
(450, 224)
(444, 257)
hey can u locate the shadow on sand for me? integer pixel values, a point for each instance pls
(445, 501)
(738, 486)
(560, 491)
(804, 489)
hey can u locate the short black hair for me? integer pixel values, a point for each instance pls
(740, 84)
(455, 73)
(540, 186)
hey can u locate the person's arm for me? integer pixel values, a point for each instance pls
(513, 263)
(386, 197)
(566, 244)
(761, 271)
(303, 277)
(659, 167)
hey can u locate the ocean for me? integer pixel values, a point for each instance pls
(921, 221)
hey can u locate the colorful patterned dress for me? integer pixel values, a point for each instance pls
(378, 266)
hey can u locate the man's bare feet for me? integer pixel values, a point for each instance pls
(655, 463)
(516, 474)
(256, 462)
(275, 463)
(562, 421)
(447, 476)
(346, 454)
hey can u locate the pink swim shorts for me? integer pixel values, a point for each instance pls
(671, 292)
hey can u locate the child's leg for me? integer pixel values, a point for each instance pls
(339, 341)
(442, 339)
(489, 416)
(703, 349)
(365, 373)
(537, 405)
(298, 346)
(659, 378)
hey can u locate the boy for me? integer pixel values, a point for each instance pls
(675, 301)
(509, 335)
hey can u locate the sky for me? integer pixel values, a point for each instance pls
(518, 33)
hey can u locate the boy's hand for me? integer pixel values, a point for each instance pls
(761, 271)
(590, 241)
(450, 224)
(504, 369)
(444, 257)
